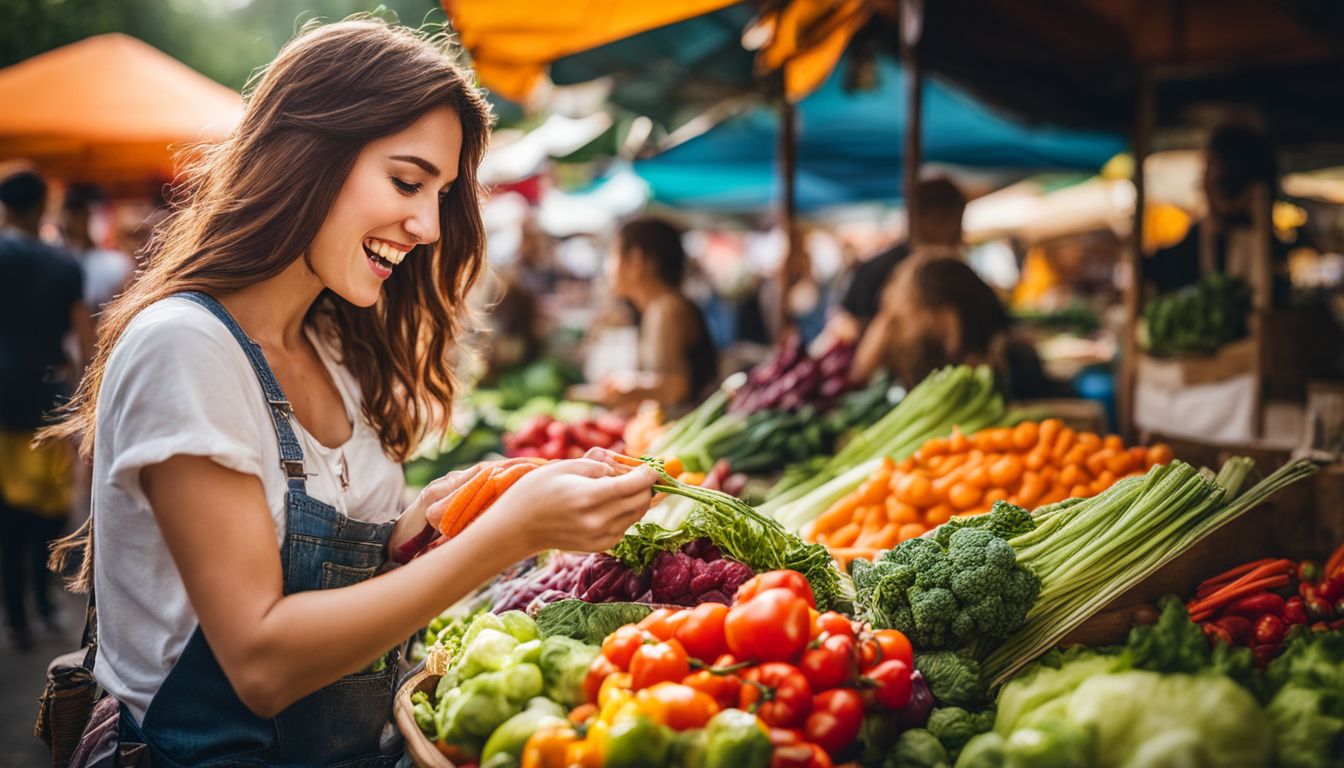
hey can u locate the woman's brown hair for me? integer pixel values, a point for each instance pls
(251, 204)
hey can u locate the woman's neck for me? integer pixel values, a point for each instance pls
(272, 312)
(647, 294)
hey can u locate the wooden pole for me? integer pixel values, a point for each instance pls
(788, 153)
(1144, 117)
(912, 22)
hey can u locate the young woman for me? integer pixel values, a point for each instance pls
(255, 392)
(677, 360)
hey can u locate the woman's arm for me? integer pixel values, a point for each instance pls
(276, 649)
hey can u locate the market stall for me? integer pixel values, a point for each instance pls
(895, 595)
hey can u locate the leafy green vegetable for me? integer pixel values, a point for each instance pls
(917, 748)
(739, 531)
(1176, 644)
(954, 677)
(564, 662)
(954, 726)
(1200, 318)
(589, 622)
(488, 652)
(1307, 709)
(946, 597)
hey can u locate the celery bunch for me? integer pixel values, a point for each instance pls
(1087, 552)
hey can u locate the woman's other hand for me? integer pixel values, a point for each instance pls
(579, 504)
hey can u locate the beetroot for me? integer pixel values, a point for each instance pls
(735, 575)
(708, 576)
(671, 576)
(702, 549)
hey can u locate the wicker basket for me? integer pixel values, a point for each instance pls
(418, 746)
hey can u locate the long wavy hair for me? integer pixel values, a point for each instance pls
(252, 204)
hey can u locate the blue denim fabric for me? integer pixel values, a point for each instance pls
(196, 718)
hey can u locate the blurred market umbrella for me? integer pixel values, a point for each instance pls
(109, 109)
(847, 149)
(512, 43)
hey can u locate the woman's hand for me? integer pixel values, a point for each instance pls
(425, 511)
(580, 504)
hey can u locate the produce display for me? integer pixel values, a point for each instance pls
(549, 438)
(1028, 465)
(1087, 552)
(944, 555)
(1198, 319)
(1246, 605)
(791, 378)
(756, 434)
(956, 396)
(764, 682)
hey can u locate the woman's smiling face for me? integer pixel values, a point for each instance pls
(389, 203)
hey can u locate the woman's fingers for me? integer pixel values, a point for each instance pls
(436, 495)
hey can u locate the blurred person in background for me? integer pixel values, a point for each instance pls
(42, 302)
(1240, 181)
(936, 228)
(106, 271)
(677, 359)
(936, 311)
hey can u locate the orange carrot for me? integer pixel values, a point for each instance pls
(1231, 593)
(451, 523)
(845, 536)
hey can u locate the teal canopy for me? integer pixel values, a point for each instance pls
(850, 146)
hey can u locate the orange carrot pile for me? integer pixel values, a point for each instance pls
(1031, 464)
(1232, 585)
(477, 494)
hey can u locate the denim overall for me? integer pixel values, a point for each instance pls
(196, 719)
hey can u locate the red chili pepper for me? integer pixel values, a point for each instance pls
(1269, 630)
(1258, 604)
(1295, 611)
(1239, 628)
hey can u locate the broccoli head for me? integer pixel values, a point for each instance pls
(944, 596)
(1004, 521)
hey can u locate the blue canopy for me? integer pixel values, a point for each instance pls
(850, 147)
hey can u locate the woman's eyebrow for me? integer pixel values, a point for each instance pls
(423, 164)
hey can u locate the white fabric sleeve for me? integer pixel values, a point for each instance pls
(177, 386)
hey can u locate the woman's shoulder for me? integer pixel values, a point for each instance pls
(174, 334)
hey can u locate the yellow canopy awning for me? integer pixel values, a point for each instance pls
(512, 43)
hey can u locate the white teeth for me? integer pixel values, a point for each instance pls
(387, 252)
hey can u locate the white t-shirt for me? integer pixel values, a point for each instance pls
(178, 383)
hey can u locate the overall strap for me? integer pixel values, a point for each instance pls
(291, 455)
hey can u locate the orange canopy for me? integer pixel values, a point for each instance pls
(109, 108)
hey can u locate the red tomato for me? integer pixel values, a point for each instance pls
(791, 580)
(829, 665)
(597, 672)
(662, 623)
(779, 692)
(835, 720)
(702, 631)
(772, 626)
(658, 663)
(621, 645)
(895, 645)
(834, 623)
(679, 707)
(724, 689)
(800, 755)
(893, 683)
